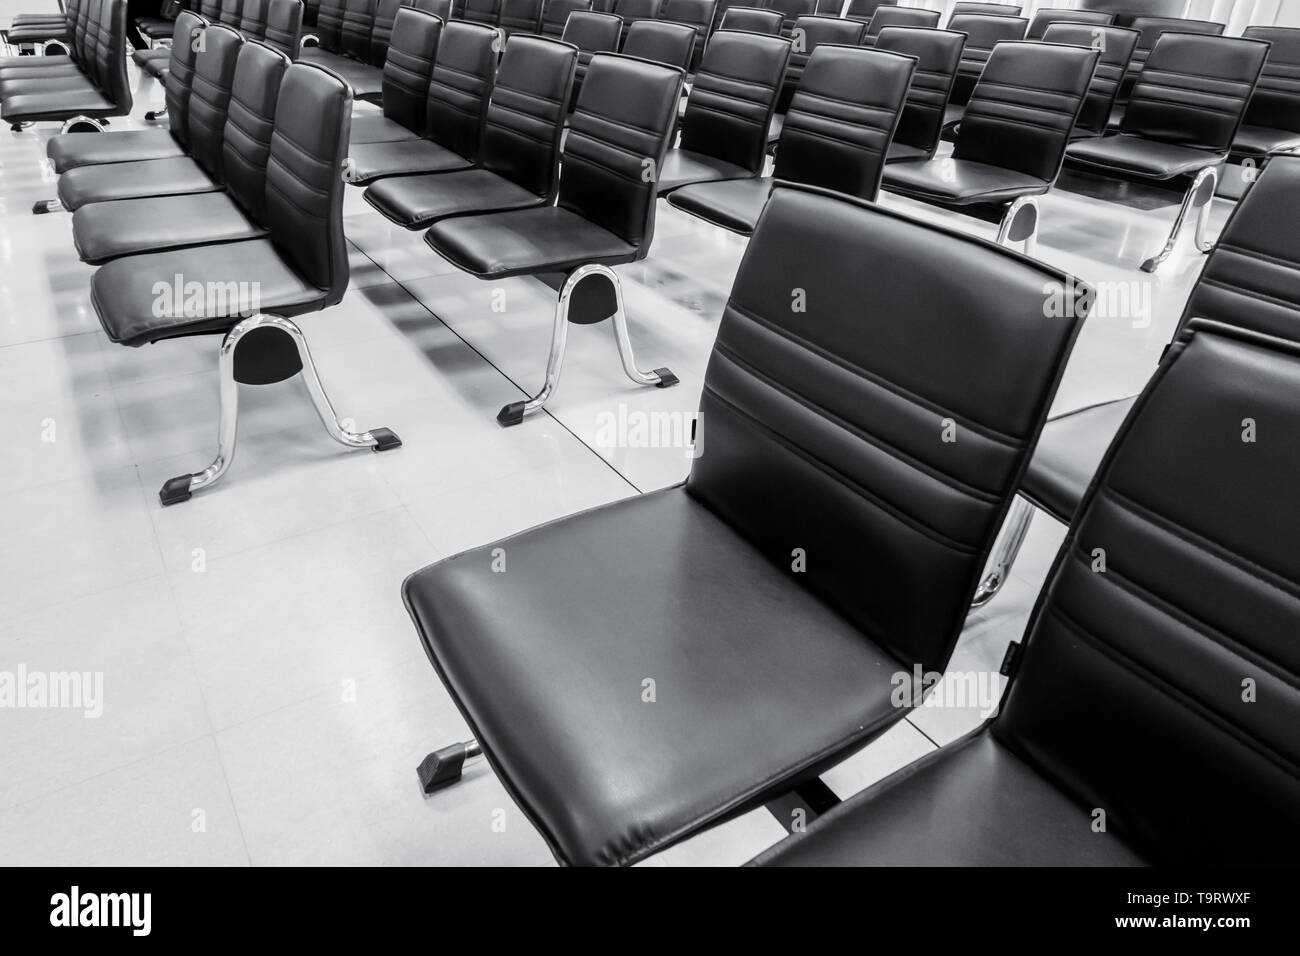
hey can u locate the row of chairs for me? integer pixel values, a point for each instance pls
(277, 23)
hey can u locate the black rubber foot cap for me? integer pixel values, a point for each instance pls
(151, 115)
(441, 768)
(384, 439)
(511, 414)
(41, 208)
(666, 378)
(15, 127)
(1150, 265)
(176, 490)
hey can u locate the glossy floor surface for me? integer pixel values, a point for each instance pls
(265, 699)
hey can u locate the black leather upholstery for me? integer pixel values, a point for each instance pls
(521, 16)
(604, 211)
(521, 144)
(298, 268)
(724, 129)
(752, 20)
(252, 19)
(983, 33)
(633, 10)
(985, 9)
(407, 73)
(1150, 30)
(485, 12)
(764, 675)
(836, 135)
(230, 12)
(1272, 121)
(813, 32)
(937, 52)
(1045, 17)
(1185, 109)
(284, 26)
(792, 10)
(892, 16)
(556, 15)
(864, 10)
(1116, 45)
(699, 15)
(1017, 125)
(591, 33)
(672, 44)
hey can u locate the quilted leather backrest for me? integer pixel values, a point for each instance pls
(486, 12)
(1116, 47)
(618, 135)
(898, 17)
(556, 14)
(937, 54)
(1194, 89)
(827, 432)
(252, 19)
(1276, 103)
(810, 33)
(358, 22)
(792, 10)
(1150, 30)
(670, 43)
(463, 73)
(259, 71)
(214, 82)
(1024, 107)
(1165, 690)
(381, 30)
(1046, 17)
(983, 33)
(97, 36)
(179, 85)
(81, 30)
(521, 16)
(752, 20)
(525, 118)
(409, 67)
(231, 11)
(304, 181)
(842, 119)
(734, 96)
(284, 26)
(329, 25)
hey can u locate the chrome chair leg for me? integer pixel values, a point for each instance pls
(95, 125)
(1020, 224)
(660, 377)
(1005, 551)
(1199, 196)
(156, 114)
(444, 767)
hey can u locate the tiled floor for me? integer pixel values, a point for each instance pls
(265, 699)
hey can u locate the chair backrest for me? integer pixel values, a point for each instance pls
(809, 33)
(442, 9)
(329, 25)
(1116, 48)
(408, 70)
(865, 9)
(1024, 107)
(1046, 17)
(252, 19)
(898, 17)
(937, 53)
(828, 8)
(487, 12)
(983, 33)
(633, 10)
(1193, 90)
(592, 33)
(521, 139)
(816, 383)
(110, 57)
(304, 182)
(734, 97)
(1168, 682)
(246, 141)
(556, 14)
(231, 11)
(179, 84)
(284, 26)
(792, 10)
(521, 16)
(1150, 30)
(984, 9)
(381, 30)
(210, 10)
(842, 119)
(668, 43)
(214, 83)
(618, 135)
(1276, 103)
(752, 20)
(460, 86)
(697, 14)
(358, 23)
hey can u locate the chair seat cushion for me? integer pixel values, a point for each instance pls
(1258, 141)
(526, 242)
(110, 230)
(371, 161)
(734, 204)
(39, 33)
(155, 28)
(31, 19)
(158, 68)
(59, 105)
(684, 166)
(1067, 455)
(972, 803)
(145, 57)
(417, 201)
(151, 177)
(1133, 155)
(36, 67)
(756, 680)
(46, 81)
(124, 296)
(70, 150)
(364, 79)
(960, 182)
(29, 62)
(378, 128)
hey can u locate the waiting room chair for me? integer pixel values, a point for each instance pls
(792, 10)
(556, 15)
(591, 33)
(696, 14)
(672, 44)
(890, 16)
(983, 33)
(1115, 45)
(633, 10)
(1150, 30)
(864, 10)
(938, 54)
(46, 30)
(408, 72)
(521, 16)
(1044, 18)
(485, 12)
(809, 33)
(752, 20)
(983, 9)
(1272, 121)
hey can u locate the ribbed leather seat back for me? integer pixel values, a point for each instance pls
(304, 188)
(792, 10)
(1023, 109)
(463, 73)
(670, 43)
(873, 395)
(891, 16)
(284, 26)
(259, 71)
(983, 33)
(214, 81)
(1150, 30)
(937, 54)
(809, 34)
(1194, 89)
(842, 119)
(633, 10)
(329, 25)
(486, 12)
(1116, 46)
(696, 14)
(381, 30)
(618, 136)
(521, 140)
(556, 15)
(1044, 18)
(521, 16)
(752, 20)
(734, 96)
(864, 10)
(1276, 103)
(409, 67)
(231, 11)
(592, 33)
(110, 57)
(358, 22)
(210, 10)
(179, 85)
(252, 19)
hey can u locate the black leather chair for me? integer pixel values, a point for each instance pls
(253, 289)
(1251, 280)
(521, 16)
(672, 44)
(696, 14)
(1150, 30)
(556, 15)
(591, 33)
(752, 20)
(156, 60)
(828, 8)
(633, 10)
(1180, 123)
(983, 33)
(485, 12)
(822, 440)
(277, 23)
(1125, 703)
(890, 16)
(347, 46)
(603, 215)
(109, 230)
(938, 53)
(155, 29)
(837, 133)
(407, 74)
(1012, 141)
(1272, 121)
(44, 30)
(792, 10)
(864, 10)
(983, 9)
(1047, 16)
(520, 154)
(809, 33)
(464, 70)
(231, 13)
(725, 126)
(1115, 45)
